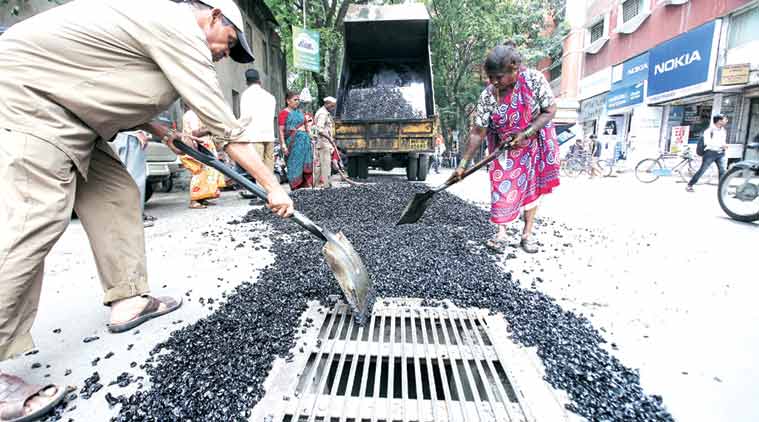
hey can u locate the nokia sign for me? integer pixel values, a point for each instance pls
(677, 62)
(683, 64)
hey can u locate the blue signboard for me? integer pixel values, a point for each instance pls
(681, 62)
(634, 71)
(626, 96)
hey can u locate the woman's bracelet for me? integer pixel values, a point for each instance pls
(463, 163)
(530, 131)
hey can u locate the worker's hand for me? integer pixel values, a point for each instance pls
(519, 141)
(280, 203)
(143, 137)
(458, 174)
(176, 137)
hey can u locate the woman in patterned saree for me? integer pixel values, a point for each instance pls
(297, 142)
(516, 107)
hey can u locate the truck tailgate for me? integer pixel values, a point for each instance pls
(404, 136)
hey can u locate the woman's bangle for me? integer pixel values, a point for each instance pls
(167, 136)
(529, 132)
(463, 163)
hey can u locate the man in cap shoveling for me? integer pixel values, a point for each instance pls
(72, 77)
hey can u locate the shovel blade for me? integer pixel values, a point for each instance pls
(351, 274)
(415, 209)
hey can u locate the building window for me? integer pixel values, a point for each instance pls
(236, 103)
(596, 32)
(554, 72)
(630, 9)
(743, 28)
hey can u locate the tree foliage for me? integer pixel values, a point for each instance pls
(464, 30)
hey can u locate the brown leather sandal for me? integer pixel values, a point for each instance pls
(149, 312)
(14, 393)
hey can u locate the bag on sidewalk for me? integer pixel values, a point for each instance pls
(700, 146)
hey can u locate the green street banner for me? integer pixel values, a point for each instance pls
(305, 49)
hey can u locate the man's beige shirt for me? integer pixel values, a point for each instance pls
(91, 68)
(325, 124)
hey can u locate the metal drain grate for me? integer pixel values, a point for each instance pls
(408, 364)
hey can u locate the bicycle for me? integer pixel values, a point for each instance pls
(576, 164)
(650, 169)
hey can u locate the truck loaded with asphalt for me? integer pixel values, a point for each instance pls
(386, 115)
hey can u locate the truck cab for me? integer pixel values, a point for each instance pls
(386, 116)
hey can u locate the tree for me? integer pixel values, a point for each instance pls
(462, 33)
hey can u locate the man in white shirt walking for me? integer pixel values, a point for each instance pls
(715, 145)
(257, 110)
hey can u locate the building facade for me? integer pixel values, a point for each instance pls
(651, 73)
(260, 28)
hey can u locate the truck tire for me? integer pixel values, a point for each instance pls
(148, 191)
(412, 169)
(423, 168)
(363, 167)
(353, 167)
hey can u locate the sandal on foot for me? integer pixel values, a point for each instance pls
(14, 393)
(496, 245)
(149, 312)
(197, 206)
(529, 245)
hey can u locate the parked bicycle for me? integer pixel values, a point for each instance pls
(650, 170)
(739, 189)
(577, 164)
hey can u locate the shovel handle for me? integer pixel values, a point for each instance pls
(206, 157)
(480, 164)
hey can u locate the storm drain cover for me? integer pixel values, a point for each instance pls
(409, 363)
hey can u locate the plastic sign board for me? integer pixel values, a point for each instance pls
(683, 65)
(735, 74)
(679, 140)
(305, 49)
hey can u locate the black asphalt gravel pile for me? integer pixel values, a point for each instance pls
(213, 370)
(379, 103)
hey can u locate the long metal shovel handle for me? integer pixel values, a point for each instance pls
(480, 164)
(206, 157)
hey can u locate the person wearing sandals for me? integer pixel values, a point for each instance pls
(516, 107)
(99, 68)
(206, 182)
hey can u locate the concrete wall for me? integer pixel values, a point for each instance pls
(664, 23)
(265, 42)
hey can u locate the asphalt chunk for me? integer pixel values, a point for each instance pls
(214, 369)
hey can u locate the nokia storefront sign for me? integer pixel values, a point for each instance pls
(683, 65)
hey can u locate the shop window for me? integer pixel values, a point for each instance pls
(631, 15)
(672, 2)
(743, 28)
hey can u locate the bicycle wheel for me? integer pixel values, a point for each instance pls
(574, 168)
(647, 171)
(739, 194)
(605, 167)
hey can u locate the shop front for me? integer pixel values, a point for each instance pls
(634, 125)
(681, 76)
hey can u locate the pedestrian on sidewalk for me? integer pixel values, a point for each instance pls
(517, 107)
(206, 182)
(439, 151)
(99, 68)
(325, 132)
(596, 147)
(715, 145)
(296, 143)
(257, 110)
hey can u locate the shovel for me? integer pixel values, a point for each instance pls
(415, 209)
(340, 255)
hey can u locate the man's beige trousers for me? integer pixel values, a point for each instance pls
(40, 187)
(323, 171)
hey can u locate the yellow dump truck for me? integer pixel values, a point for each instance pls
(385, 115)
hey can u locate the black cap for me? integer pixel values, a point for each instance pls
(252, 76)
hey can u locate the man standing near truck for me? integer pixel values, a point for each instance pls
(98, 68)
(325, 132)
